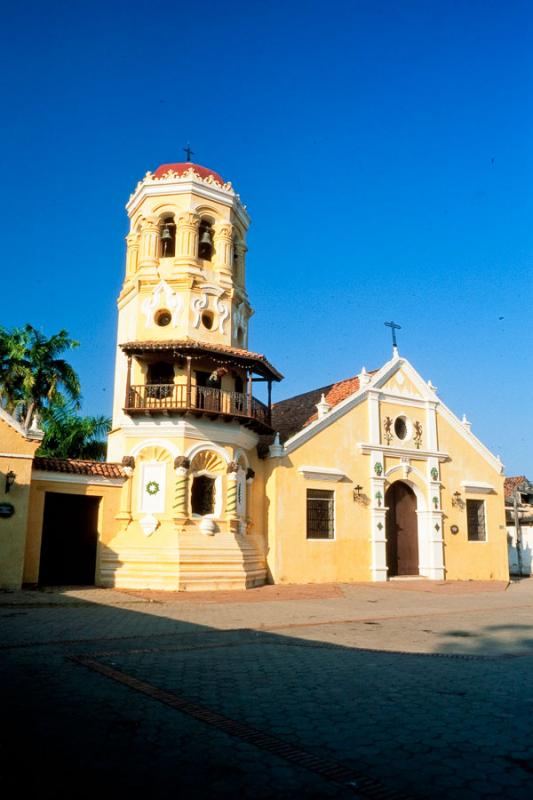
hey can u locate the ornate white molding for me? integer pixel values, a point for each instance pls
(198, 305)
(173, 303)
(223, 312)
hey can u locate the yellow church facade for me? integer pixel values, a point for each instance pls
(207, 487)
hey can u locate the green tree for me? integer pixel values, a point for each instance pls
(33, 377)
(68, 435)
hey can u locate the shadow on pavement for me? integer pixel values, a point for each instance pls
(98, 698)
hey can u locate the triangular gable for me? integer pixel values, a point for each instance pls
(384, 381)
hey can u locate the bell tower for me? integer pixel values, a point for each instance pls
(185, 419)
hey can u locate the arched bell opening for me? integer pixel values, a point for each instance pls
(401, 527)
(167, 237)
(205, 240)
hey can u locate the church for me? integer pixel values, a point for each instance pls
(205, 486)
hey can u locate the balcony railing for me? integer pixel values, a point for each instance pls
(170, 397)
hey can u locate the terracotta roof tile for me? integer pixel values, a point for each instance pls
(291, 415)
(190, 345)
(512, 483)
(75, 466)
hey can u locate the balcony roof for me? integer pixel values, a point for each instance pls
(221, 353)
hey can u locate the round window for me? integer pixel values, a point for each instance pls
(207, 320)
(400, 427)
(163, 318)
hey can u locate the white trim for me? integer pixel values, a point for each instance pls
(478, 487)
(198, 448)
(411, 452)
(16, 455)
(230, 433)
(428, 397)
(84, 480)
(163, 443)
(321, 473)
(30, 435)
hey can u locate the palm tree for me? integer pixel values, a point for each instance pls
(32, 376)
(67, 435)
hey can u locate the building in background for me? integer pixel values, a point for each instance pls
(519, 519)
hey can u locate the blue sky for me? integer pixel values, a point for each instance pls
(382, 148)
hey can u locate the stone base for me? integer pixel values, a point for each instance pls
(198, 562)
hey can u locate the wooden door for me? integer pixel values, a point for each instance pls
(402, 530)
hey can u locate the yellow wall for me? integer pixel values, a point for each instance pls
(13, 529)
(107, 524)
(292, 558)
(471, 560)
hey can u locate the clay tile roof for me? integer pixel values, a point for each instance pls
(182, 167)
(291, 415)
(512, 483)
(191, 345)
(76, 466)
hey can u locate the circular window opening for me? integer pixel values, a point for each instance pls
(163, 318)
(400, 427)
(207, 320)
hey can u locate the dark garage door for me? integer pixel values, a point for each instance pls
(70, 533)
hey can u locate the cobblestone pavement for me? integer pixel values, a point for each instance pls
(360, 691)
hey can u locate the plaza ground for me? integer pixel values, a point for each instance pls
(408, 689)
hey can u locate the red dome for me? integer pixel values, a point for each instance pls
(203, 172)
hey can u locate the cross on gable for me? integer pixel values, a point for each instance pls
(394, 327)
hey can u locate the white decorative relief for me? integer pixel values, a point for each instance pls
(148, 524)
(172, 302)
(223, 311)
(198, 305)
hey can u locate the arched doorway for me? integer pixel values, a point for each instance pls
(401, 530)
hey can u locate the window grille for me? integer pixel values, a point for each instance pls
(320, 514)
(475, 516)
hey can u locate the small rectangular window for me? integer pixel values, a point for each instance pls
(320, 514)
(475, 516)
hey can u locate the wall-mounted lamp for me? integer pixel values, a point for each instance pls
(456, 499)
(10, 480)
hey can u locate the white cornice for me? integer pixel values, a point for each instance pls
(477, 487)
(226, 433)
(161, 188)
(402, 452)
(321, 473)
(83, 480)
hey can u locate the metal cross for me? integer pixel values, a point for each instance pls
(188, 152)
(394, 327)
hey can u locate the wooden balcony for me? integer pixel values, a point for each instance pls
(200, 401)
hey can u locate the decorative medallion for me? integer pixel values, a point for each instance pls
(378, 468)
(434, 474)
(380, 526)
(436, 502)
(152, 487)
(379, 498)
(437, 527)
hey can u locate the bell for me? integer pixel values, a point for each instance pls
(205, 238)
(166, 236)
